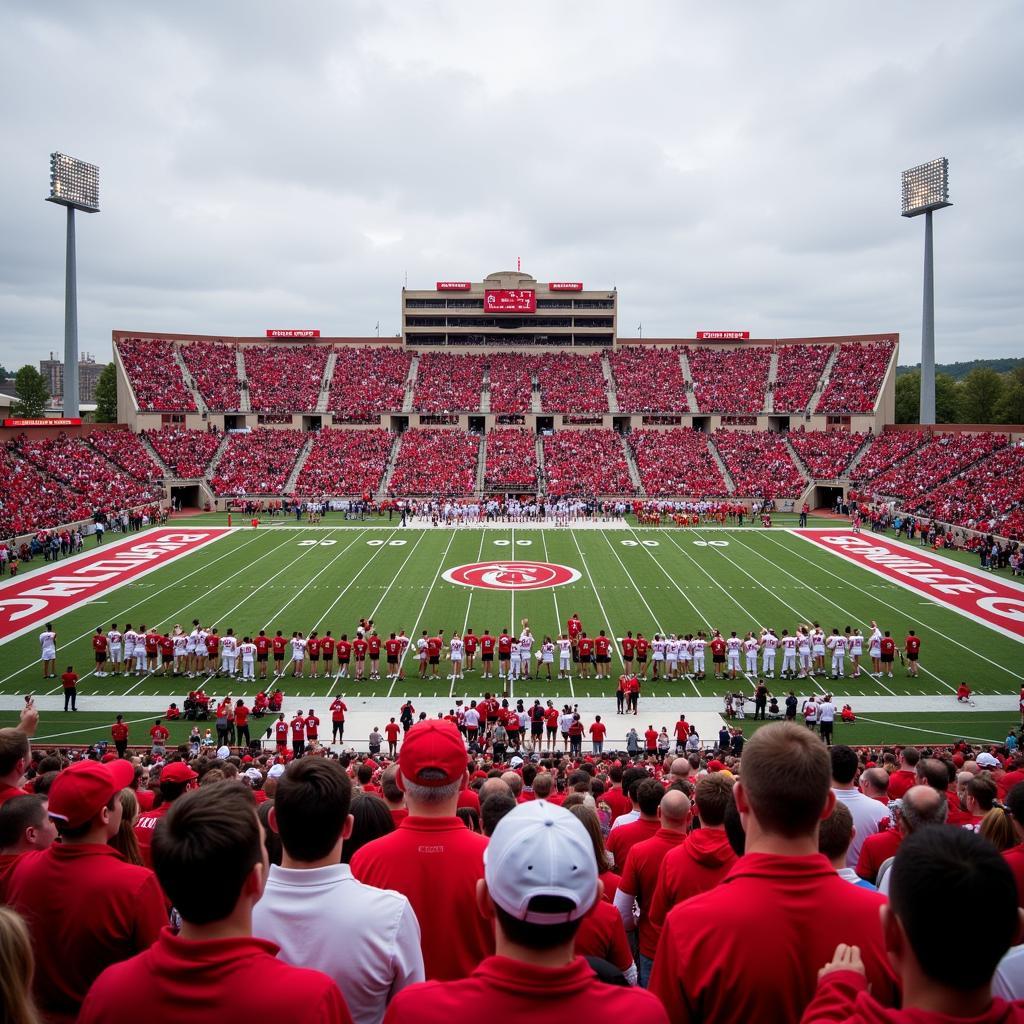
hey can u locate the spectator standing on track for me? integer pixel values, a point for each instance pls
(119, 734)
(69, 682)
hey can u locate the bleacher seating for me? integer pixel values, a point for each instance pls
(798, 371)
(186, 453)
(32, 500)
(285, 378)
(511, 382)
(125, 450)
(511, 463)
(345, 462)
(368, 382)
(258, 462)
(154, 375)
(214, 369)
(759, 463)
(571, 383)
(435, 462)
(648, 379)
(586, 463)
(884, 451)
(676, 462)
(448, 383)
(826, 453)
(732, 381)
(856, 378)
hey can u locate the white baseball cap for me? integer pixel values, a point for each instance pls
(276, 771)
(987, 760)
(541, 849)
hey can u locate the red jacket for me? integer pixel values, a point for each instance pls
(622, 839)
(602, 934)
(693, 867)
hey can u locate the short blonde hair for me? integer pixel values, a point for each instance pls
(17, 965)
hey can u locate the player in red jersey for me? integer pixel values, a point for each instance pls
(298, 727)
(278, 643)
(152, 650)
(628, 650)
(166, 654)
(262, 642)
(312, 727)
(602, 645)
(359, 649)
(99, 647)
(486, 655)
(313, 653)
(585, 647)
(373, 649)
(327, 654)
(642, 647)
(912, 649)
(435, 644)
(281, 734)
(504, 653)
(338, 709)
(470, 641)
(888, 648)
(718, 655)
(392, 652)
(344, 649)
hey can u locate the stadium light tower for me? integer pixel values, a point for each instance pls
(925, 189)
(76, 185)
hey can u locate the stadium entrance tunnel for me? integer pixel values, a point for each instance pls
(187, 496)
(825, 497)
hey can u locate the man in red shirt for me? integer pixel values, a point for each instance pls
(262, 643)
(281, 734)
(312, 727)
(912, 649)
(470, 643)
(214, 961)
(85, 906)
(392, 731)
(278, 644)
(597, 733)
(175, 779)
(621, 840)
(298, 728)
(682, 731)
(486, 655)
(718, 655)
(26, 829)
(119, 734)
(327, 654)
(651, 740)
(888, 648)
(585, 648)
(69, 680)
(313, 653)
(642, 647)
(392, 653)
(602, 645)
(338, 709)
(432, 858)
(373, 649)
(15, 752)
(628, 650)
(540, 883)
(158, 734)
(99, 647)
(906, 776)
(782, 887)
(344, 650)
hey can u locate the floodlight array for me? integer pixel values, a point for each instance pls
(926, 187)
(74, 183)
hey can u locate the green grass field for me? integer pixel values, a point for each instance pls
(290, 576)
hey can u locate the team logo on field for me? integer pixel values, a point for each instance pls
(512, 575)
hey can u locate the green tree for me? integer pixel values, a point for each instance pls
(908, 397)
(981, 391)
(947, 399)
(1011, 406)
(106, 395)
(33, 392)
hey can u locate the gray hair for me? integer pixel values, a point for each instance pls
(430, 794)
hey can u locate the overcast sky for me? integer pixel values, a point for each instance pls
(729, 166)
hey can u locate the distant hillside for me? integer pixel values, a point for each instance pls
(960, 370)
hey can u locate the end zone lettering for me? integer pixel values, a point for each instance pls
(30, 601)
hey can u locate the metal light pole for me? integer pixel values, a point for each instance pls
(926, 189)
(76, 185)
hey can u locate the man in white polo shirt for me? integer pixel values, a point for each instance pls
(866, 813)
(366, 939)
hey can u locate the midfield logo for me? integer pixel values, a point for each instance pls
(512, 575)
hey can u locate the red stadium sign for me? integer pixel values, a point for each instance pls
(453, 286)
(723, 335)
(72, 421)
(291, 333)
(565, 286)
(512, 575)
(510, 300)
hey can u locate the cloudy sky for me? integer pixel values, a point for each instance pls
(730, 166)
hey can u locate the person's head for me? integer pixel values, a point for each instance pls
(492, 787)
(25, 824)
(909, 756)
(997, 828)
(675, 810)
(17, 966)
(543, 783)
(271, 840)
(680, 768)
(712, 797)
(785, 787)
(175, 779)
(942, 875)
(631, 778)
(539, 878)
(932, 772)
(514, 782)
(587, 814)
(371, 819)
(393, 796)
(922, 806)
(432, 768)
(84, 800)
(979, 794)
(14, 755)
(874, 782)
(211, 832)
(844, 764)
(835, 834)
(649, 794)
(494, 808)
(311, 809)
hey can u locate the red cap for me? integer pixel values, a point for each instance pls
(247, 759)
(177, 771)
(432, 744)
(715, 766)
(108, 757)
(85, 789)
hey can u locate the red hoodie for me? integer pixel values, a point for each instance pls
(843, 996)
(699, 864)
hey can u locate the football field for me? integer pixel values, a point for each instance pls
(291, 576)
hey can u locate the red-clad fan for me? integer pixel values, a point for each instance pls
(327, 645)
(298, 730)
(622, 838)
(470, 642)
(281, 734)
(175, 779)
(262, 643)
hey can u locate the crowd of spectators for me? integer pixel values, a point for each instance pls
(676, 462)
(256, 462)
(648, 379)
(729, 380)
(826, 453)
(571, 383)
(448, 383)
(939, 458)
(124, 449)
(367, 382)
(154, 375)
(798, 371)
(345, 462)
(32, 500)
(856, 378)
(186, 453)
(435, 462)
(285, 378)
(585, 463)
(214, 368)
(759, 463)
(510, 380)
(511, 463)
(885, 451)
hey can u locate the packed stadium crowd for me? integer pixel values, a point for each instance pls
(367, 382)
(283, 378)
(760, 464)
(798, 372)
(435, 462)
(511, 460)
(585, 462)
(214, 369)
(648, 379)
(676, 461)
(729, 381)
(856, 378)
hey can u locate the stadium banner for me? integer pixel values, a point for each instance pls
(510, 300)
(565, 286)
(291, 332)
(979, 597)
(723, 335)
(27, 602)
(71, 421)
(453, 286)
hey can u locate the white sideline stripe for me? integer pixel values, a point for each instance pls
(469, 607)
(899, 611)
(931, 732)
(600, 603)
(558, 615)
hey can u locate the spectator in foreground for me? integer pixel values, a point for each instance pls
(312, 898)
(782, 887)
(16, 967)
(835, 836)
(540, 880)
(26, 828)
(940, 875)
(214, 966)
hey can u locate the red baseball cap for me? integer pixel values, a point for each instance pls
(715, 766)
(85, 788)
(108, 757)
(177, 771)
(432, 746)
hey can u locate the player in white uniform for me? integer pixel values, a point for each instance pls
(298, 655)
(180, 642)
(48, 651)
(514, 660)
(818, 646)
(732, 654)
(248, 651)
(789, 645)
(564, 657)
(875, 649)
(803, 647)
(837, 645)
(140, 652)
(672, 657)
(855, 640)
(190, 650)
(685, 654)
(114, 636)
(657, 655)
(698, 644)
(128, 638)
(525, 647)
(769, 645)
(456, 650)
(750, 646)
(547, 655)
(229, 653)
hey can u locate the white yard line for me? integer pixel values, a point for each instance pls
(558, 614)
(932, 732)
(597, 594)
(469, 608)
